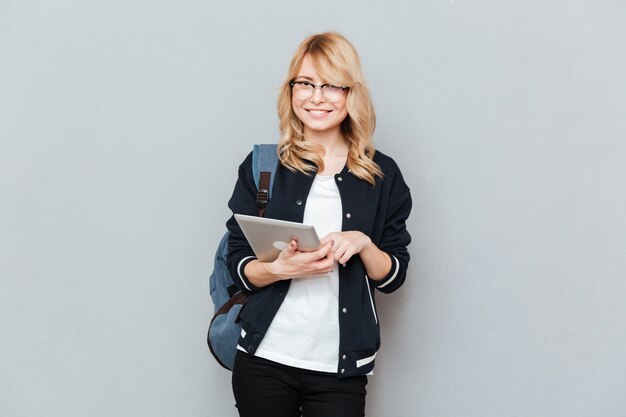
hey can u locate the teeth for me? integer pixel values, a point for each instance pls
(319, 112)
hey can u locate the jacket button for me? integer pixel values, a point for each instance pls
(344, 357)
(257, 336)
(339, 179)
(348, 215)
(250, 349)
(345, 310)
(343, 371)
(299, 202)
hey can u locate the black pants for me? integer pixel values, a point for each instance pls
(264, 388)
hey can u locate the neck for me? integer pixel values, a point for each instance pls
(333, 142)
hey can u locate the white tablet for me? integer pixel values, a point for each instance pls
(268, 237)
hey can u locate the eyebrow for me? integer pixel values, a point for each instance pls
(305, 77)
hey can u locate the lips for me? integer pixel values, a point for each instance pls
(318, 113)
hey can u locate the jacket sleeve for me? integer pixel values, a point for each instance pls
(395, 237)
(243, 201)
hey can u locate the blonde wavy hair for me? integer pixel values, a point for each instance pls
(337, 62)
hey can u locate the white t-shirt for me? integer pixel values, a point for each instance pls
(305, 330)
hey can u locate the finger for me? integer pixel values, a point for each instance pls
(304, 258)
(324, 265)
(338, 253)
(347, 251)
(337, 243)
(328, 238)
(292, 247)
(346, 256)
(324, 250)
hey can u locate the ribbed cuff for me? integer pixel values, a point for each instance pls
(242, 276)
(391, 276)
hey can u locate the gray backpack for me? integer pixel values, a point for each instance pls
(224, 329)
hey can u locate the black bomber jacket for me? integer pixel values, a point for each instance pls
(379, 211)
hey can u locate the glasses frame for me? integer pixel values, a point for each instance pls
(316, 86)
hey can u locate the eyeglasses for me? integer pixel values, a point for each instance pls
(304, 90)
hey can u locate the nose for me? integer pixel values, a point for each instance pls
(317, 96)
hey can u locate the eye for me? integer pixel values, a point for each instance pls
(333, 88)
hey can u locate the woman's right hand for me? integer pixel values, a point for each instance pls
(291, 263)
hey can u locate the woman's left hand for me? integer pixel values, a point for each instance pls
(346, 244)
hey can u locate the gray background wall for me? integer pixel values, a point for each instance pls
(122, 124)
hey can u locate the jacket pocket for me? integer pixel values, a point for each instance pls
(369, 292)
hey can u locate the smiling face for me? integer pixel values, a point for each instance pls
(317, 114)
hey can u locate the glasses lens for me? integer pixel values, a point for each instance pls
(305, 91)
(332, 93)
(302, 91)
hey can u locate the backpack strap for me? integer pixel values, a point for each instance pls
(264, 164)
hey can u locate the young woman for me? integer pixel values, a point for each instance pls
(310, 329)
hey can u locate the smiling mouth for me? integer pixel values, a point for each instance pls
(318, 113)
